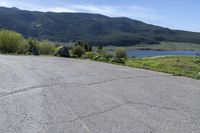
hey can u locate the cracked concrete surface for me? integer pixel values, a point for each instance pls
(59, 95)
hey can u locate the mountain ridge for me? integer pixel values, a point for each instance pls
(93, 28)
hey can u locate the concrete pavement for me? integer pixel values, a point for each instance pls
(60, 95)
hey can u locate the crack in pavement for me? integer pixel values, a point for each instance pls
(125, 78)
(4, 94)
(80, 118)
(84, 126)
(87, 116)
(156, 106)
(113, 108)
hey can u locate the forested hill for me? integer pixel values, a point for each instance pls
(93, 28)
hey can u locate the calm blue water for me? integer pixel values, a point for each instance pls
(147, 53)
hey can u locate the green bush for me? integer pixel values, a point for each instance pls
(10, 41)
(77, 51)
(198, 76)
(120, 53)
(107, 55)
(47, 48)
(86, 47)
(90, 55)
(13, 42)
(23, 48)
(34, 47)
(118, 60)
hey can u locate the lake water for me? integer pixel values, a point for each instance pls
(147, 53)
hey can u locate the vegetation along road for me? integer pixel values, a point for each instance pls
(57, 95)
(177, 65)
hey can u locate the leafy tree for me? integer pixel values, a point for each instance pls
(77, 51)
(10, 41)
(33, 47)
(23, 48)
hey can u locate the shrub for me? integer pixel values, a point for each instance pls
(77, 51)
(86, 47)
(47, 48)
(120, 53)
(90, 55)
(33, 47)
(62, 51)
(118, 60)
(23, 48)
(105, 56)
(10, 41)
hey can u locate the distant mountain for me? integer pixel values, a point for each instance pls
(93, 28)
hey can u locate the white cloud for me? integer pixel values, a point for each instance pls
(57, 9)
(135, 12)
(118, 11)
(5, 3)
(131, 11)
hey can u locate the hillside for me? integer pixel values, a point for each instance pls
(94, 28)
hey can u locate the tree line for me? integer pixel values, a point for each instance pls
(14, 43)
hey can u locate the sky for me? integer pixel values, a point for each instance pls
(174, 14)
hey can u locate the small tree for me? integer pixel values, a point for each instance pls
(87, 47)
(33, 47)
(77, 51)
(120, 53)
(100, 48)
(23, 47)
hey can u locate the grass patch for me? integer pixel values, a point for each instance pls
(176, 65)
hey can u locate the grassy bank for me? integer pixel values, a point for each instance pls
(161, 46)
(176, 65)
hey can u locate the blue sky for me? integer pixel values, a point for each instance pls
(175, 14)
